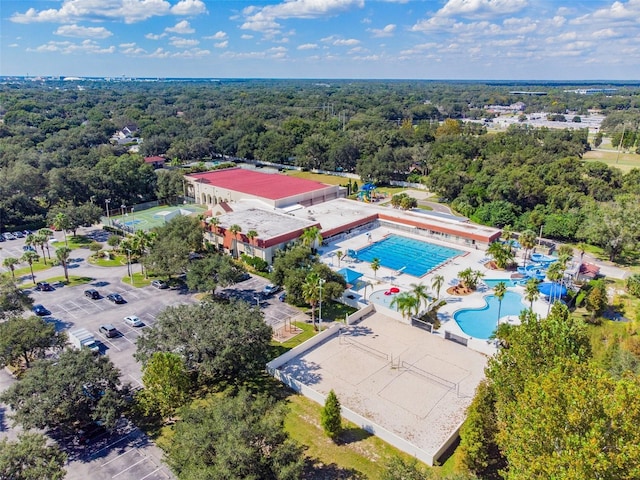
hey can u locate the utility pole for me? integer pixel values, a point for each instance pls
(320, 283)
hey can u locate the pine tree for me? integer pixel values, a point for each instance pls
(330, 416)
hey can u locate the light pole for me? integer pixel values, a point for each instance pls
(320, 283)
(107, 202)
(133, 220)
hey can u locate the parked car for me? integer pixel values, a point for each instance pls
(283, 296)
(270, 289)
(243, 277)
(133, 321)
(2, 239)
(8, 236)
(18, 234)
(44, 287)
(40, 310)
(161, 284)
(115, 298)
(92, 293)
(108, 330)
(28, 248)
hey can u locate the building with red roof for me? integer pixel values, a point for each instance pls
(279, 191)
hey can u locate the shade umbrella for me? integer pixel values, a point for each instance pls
(552, 289)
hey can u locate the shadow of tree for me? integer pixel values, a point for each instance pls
(314, 470)
(352, 435)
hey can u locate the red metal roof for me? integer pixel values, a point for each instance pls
(154, 159)
(266, 185)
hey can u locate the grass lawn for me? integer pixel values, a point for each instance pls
(116, 261)
(278, 348)
(333, 311)
(73, 281)
(357, 453)
(37, 267)
(624, 161)
(319, 177)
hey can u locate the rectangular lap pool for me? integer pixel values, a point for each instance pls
(413, 257)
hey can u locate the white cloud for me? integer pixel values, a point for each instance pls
(220, 35)
(193, 53)
(189, 7)
(129, 11)
(275, 53)
(86, 46)
(246, 37)
(153, 36)
(82, 32)
(182, 27)
(159, 53)
(480, 8)
(183, 42)
(347, 42)
(605, 33)
(308, 46)
(13, 45)
(224, 44)
(387, 31)
(265, 19)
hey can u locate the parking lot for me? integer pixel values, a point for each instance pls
(125, 453)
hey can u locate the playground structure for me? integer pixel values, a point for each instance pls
(366, 193)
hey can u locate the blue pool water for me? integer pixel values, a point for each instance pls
(413, 257)
(492, 282)
(481, 322)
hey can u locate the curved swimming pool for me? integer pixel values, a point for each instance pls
(481, 322)
(379, 297)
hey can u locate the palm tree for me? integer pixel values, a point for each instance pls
(311, 294)
(507, 236)
(531, 291)
(61, 222)
(48, 233)
(30, 257)
(528, 241)
(311, 237)
(499, 291)
(251, 234)
(555, 273)
(62, 254)
(502, 254)
(40, 240)
(215, 222)
(11, 263)
(406, 304)
(339, 256)
(375, 266)
(143, 241)
(235, 229)
(436, 284)
(583, 248)
(421, 293)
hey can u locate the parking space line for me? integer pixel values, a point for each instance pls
(138, 381)
(112, 444)
(104, 339)
(144, 459)
(116, 458)
(149, 474)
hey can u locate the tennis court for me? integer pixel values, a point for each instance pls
(152, 217)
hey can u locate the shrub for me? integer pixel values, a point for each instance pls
(330, 417)
(633, 285)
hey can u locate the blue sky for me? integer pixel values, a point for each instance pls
(422, 39)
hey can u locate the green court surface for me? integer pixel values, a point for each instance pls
(149, 218)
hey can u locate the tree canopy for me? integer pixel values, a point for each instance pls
(217, 340)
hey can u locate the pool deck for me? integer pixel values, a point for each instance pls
(385, 278)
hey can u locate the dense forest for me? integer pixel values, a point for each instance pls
(56, 150)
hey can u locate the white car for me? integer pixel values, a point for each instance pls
(133, 321)
(270, 289)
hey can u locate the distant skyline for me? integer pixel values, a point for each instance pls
(404, 39)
